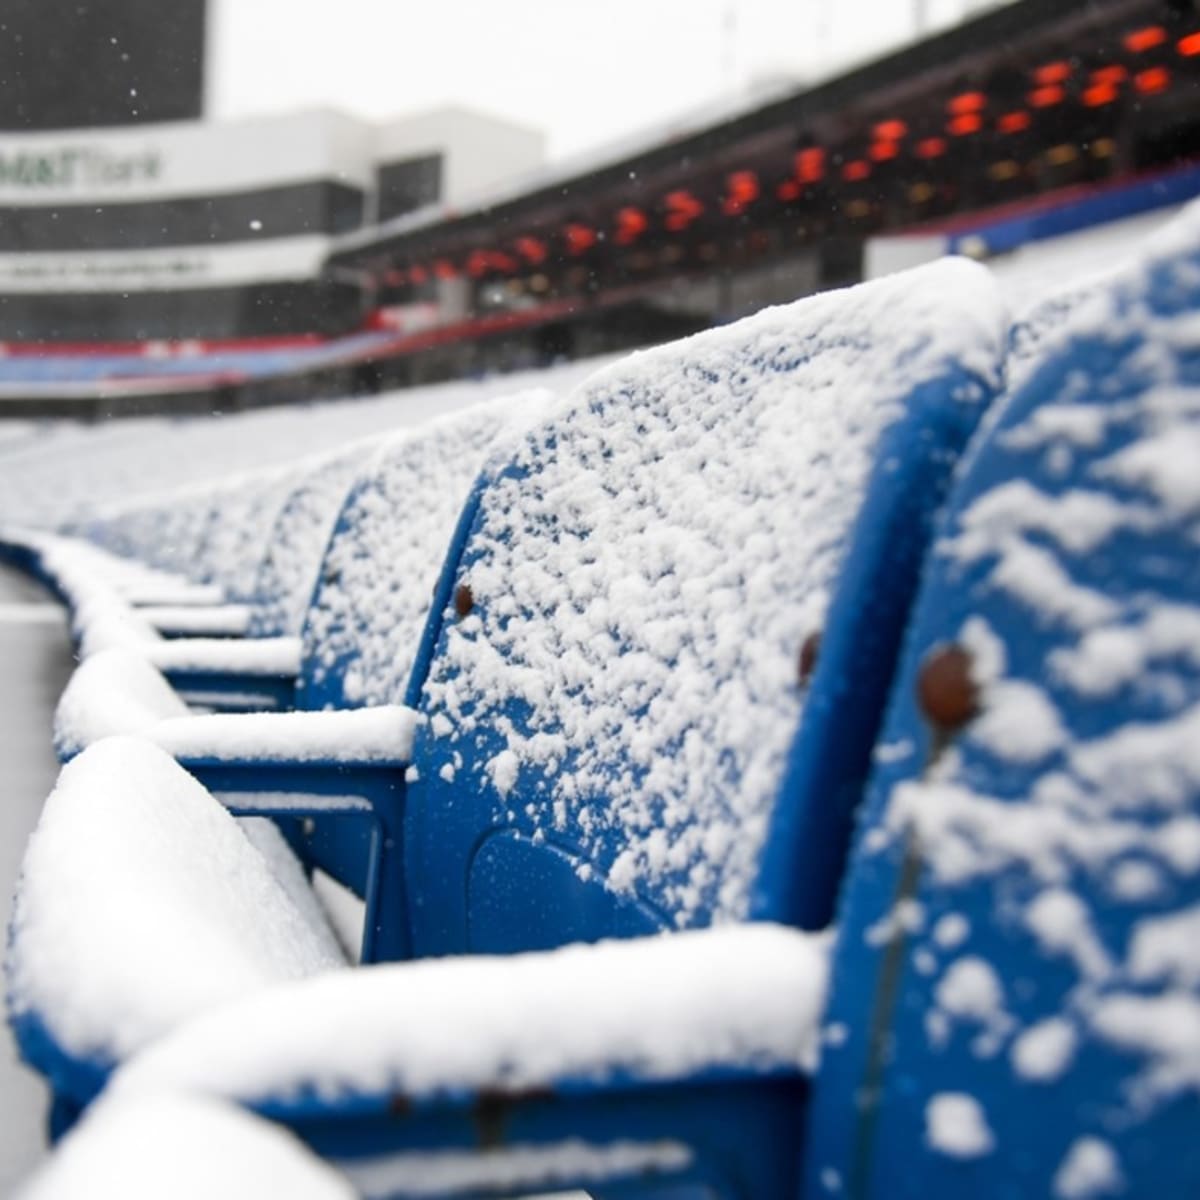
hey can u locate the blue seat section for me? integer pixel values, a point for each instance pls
(1016, 986)
(621, 659)
(362, 629)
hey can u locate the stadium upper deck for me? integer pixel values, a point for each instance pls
(1019, 104)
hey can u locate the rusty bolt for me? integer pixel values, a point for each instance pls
(808, 657)
(946, 692)
(464, 601)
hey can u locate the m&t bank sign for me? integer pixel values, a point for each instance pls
(76, 169)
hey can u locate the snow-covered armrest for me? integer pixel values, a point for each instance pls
(660, 1009)
(190, 620)
(114, 691)
(187, 1147)
(142, 903)
(360, 736)
(252, 656)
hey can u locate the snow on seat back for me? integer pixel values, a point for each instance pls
(1017, 976)
(140, 904)
(378, 573)
(295, 544)
(614, 686)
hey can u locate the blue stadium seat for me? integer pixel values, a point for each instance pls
(1016, 989)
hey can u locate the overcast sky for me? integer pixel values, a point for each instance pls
(586, 72)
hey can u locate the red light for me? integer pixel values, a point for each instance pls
(856, 170)
(443, 268)
(394, 278)
(1112, 75)
(531, 249)
(417, 275)
(933, 147)
(967, 123)
(743, 191)
(480, 262)
(788, 190)
(1189, 46)
(1156, 79)
(579, 238)
(883, 151)
(810, 164)
(682, 209)
(1014, 122)
(890, 131)
(1055, 72)
(1141, 40)
(1047, 97)
(631, 224)
(967, 102)
(1100, 94)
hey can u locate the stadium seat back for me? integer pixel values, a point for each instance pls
(376, 578)
(1016, 981)
(625, 641)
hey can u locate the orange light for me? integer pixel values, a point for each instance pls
(579, 238)
(417, 275)
(810, 164)
(966, 123)
(1111, 75)
(1146, 38)
(1055, 72)
(883, 151)
(1100, 94)
(967, 102)
(856, 170)
(480, 262)
(631, 224)
(788, 190)
(1189, 46)
(1152, 81)
(890, 131)
(1014, 122)
(682, 209)
(394, 278)
(531, 249)
(1046, 97)
(443, 268)
(933, 147)
(743, 191)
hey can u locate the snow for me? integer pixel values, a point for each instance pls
(1091, 1168)
(141, 903)
(187, 1147)
(437, 1173)
(955, 1125)
(379, 735)
(645, 589)
(1045, 1050)
(218, 620)
(113, 691)
(658, 1008)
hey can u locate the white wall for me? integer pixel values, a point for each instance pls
(480, 151)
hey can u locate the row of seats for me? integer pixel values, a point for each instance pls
(593, 758)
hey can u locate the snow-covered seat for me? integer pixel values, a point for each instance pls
(623, 727)
(140, 903)
(360, 614)
(1016, 993)
(185, 1147)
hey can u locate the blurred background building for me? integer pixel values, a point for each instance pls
(145, 250)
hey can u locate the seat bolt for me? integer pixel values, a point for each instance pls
(808, 657)
(464, 601)
(946, 692)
